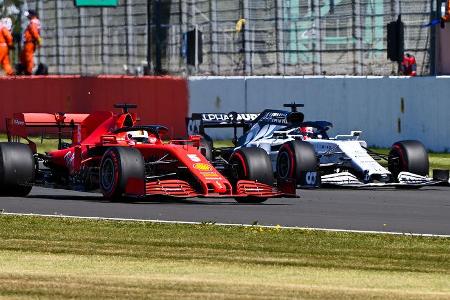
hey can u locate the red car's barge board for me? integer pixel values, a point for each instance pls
(111, 152)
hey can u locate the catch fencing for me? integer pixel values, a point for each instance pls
(280, 37)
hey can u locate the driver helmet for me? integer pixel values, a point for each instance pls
(307, 132)
(139, 136)
(7, 22)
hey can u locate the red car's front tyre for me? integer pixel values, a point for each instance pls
(119, 164)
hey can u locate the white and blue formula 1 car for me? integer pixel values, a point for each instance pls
(303, 151)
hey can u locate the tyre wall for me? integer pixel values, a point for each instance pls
(160, 100)
(386, 109)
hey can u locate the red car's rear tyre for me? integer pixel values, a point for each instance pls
(118, 165)
(252, 164)
(17, 169)
(408, 156)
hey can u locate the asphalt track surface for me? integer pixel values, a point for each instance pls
(423, 211)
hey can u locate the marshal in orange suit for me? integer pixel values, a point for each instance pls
(446, 17)
(6, 43)
(31, 40)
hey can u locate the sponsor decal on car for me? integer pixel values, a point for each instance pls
(68, 158)
(202, 167)
(274, 118)
(194, 157)
(221, 117)
(18, 122)
(211, 175)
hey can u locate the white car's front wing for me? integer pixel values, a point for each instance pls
(405, 179)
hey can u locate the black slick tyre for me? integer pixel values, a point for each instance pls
(297, 160)
(118, 165)
(251, 164)
(17, 169)
(408, 156)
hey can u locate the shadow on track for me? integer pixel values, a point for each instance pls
(151, 200)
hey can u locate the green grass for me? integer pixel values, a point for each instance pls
(43, 145)
(67, 258)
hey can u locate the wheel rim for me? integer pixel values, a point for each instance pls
(107, 177)
(396, 162)
(283, 164)
(239, 170)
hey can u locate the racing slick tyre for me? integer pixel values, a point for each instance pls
(408, 156)
(297, 160)
(17, 169)
(251, 164)
(118, 165)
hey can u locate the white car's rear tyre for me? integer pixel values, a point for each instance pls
(408, 156)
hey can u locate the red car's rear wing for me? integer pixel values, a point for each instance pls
(16, 127)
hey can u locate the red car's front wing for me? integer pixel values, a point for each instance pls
(182, 189)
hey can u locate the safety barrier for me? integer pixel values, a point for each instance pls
(386, 109)
(160, 100)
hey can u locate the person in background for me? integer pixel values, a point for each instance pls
(446, 17)
(31, 39)
(6, 43)
(408, 67)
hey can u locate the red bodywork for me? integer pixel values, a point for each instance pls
(92, 134)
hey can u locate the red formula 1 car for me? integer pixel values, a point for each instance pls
(112, 153)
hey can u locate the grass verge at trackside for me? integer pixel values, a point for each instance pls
(68, 258)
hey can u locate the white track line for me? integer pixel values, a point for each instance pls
(224, 224)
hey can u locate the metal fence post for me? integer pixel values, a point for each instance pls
(81, 35)
(105, 54)
(157, 16)
(149, 37)
(214, 42)
(194, 23)
(357, 43)
(279, 33)
(246, 43)
(129, 31)
(59, 34)
(317, 43)
(184, 22)
(435, 12)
